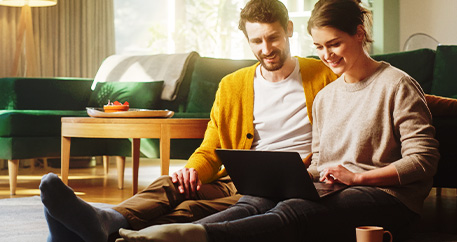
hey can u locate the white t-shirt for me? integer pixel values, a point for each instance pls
(281, 120)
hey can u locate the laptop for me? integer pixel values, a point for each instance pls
(273, 174)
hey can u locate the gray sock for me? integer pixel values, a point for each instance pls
(167, 233)
(88, 222)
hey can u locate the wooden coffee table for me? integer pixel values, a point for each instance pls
(135, 128)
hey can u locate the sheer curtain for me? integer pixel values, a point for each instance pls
(71, 38)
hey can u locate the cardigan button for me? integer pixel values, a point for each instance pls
(249, 136)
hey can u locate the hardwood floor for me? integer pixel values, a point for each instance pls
(89, 183)
(439, 215)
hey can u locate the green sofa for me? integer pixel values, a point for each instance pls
(31, 108)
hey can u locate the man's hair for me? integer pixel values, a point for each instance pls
(263, 11)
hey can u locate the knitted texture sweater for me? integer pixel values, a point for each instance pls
(231, 121)
(378, 121)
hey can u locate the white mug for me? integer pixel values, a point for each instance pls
(371, 234)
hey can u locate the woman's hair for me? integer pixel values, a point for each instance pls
(345, 15)
(263, 11)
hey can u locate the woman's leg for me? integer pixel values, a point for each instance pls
(332, 218)
(245, 207)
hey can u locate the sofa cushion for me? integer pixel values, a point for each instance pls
(445, 82)
(207, 74)
(417, 63)
(202, 96)
(138, 94)
(32, 123)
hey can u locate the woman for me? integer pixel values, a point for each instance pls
(372, 131)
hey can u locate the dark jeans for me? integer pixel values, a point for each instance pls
(333, 218)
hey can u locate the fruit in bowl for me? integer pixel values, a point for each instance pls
(116, 107)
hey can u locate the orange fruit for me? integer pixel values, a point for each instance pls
(117, 107)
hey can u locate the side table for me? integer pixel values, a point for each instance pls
(135, 128)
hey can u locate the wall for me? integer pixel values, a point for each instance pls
(385, 26)
(437, 18)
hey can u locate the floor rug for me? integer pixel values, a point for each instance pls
(22, 219)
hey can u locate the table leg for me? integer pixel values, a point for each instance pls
(135, 164)
(65, 159)
(165, 149)
(120, 162)
(106, 164)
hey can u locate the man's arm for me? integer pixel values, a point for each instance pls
(203, 163)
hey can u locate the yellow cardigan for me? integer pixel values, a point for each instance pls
(231, 125)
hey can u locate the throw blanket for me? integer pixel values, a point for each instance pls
(170, 68)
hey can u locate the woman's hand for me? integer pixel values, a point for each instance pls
(385, 176)
(188, 182)
(338, 174)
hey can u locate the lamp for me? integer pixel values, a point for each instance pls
(25, 27)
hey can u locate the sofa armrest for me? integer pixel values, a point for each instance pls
(442, 106)
(44, 93)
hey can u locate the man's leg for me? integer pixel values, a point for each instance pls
(193, 210)
(58, 232)
(162, 197)
(137, 212)
(63, 209)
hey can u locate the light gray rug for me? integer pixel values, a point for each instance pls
(22, 219)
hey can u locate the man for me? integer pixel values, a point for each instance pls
(263, 107)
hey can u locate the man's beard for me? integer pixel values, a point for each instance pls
(275, 66)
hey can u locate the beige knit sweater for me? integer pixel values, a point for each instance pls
(378, 121)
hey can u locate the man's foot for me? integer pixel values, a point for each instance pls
(167, 233)
(88, 222)
(58, 232)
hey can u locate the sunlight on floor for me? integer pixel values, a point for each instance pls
(90, 183)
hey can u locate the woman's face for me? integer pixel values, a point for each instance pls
(337, 49)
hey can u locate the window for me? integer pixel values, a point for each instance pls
(209, 27)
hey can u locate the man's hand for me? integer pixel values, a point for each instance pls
(188, 182)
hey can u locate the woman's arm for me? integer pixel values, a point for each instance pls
(411, 122)
(385, 176)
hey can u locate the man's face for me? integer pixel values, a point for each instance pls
(270, 43)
